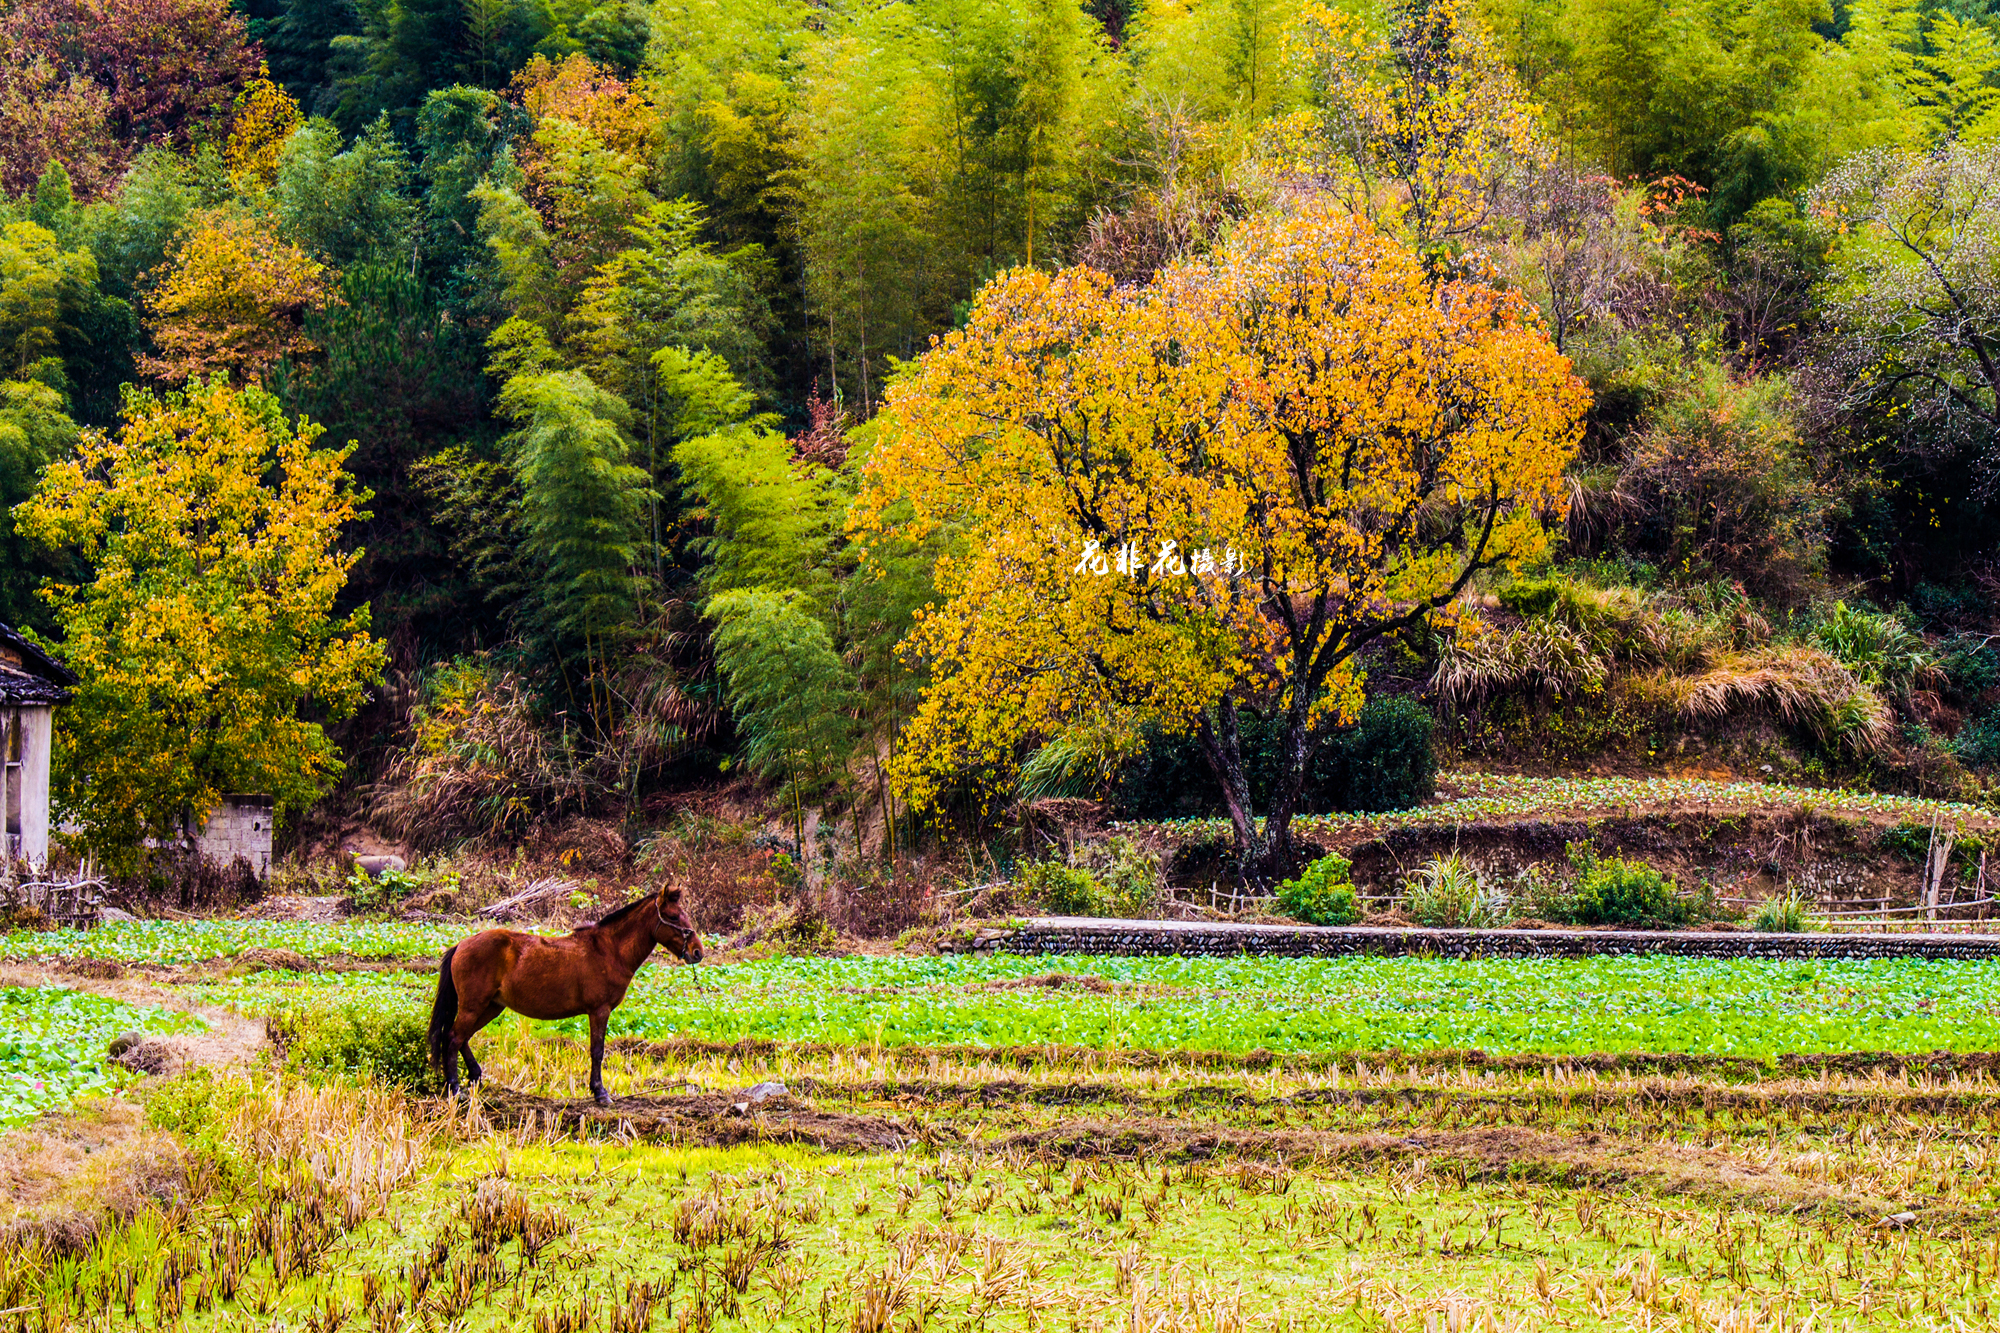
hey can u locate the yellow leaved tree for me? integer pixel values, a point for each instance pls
(1208, 494)
(265, 116)
(234, 298)
(206, 636)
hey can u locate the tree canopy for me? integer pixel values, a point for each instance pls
(1210, 493)
(205, 627)
(622, 309)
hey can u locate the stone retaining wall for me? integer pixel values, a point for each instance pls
(1094, 935)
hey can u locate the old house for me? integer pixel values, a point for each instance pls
(32, 686)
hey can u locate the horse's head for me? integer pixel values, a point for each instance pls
(674, 928)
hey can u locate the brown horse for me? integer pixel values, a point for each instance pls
(584, 972)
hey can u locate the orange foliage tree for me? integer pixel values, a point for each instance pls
(234, 299)
(1208, 495)
(585, 167)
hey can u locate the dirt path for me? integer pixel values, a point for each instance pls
(320, 909)
(64, 1174)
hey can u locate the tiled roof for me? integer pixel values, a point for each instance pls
(18, 687)
(28, 675)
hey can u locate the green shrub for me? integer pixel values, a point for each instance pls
(1541, 895)
(1970, 664)
(1382, 762)
(1321, 895)
(1128, 877)
(1061, 768)
(1784, 915)
(1615, 892)
(1910, 841)
(1169, 777)
(786, 929)
(1977, 744)
(1877, 647)
(1448, 892)
(370, 893)
(356, 1039)
(1605, 620)
(1063, 889)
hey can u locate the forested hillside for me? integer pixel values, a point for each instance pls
(492, 411)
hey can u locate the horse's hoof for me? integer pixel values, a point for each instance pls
(603, 1097)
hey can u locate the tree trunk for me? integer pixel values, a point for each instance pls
(1279, 857)
(1224, 751)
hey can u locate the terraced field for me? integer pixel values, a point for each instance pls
(1750, 1007)
(1008, 1143)
(1468, 796)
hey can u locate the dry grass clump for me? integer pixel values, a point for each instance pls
(1705, 654)
(727, 868)
(785, 928)
(880, 905)
(579, 846)
(1804, 687)
(1540, 660)
(357, 1144)
(485, 762)
(480, 763)
(61, 1174)
(188, 883)
(253, 1191)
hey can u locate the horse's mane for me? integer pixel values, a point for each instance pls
(623, 912)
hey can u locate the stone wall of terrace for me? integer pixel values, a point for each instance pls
(1099, 935)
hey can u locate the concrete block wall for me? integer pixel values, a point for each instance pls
(239, 827)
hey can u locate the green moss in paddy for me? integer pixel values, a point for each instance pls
(506, 1237)
(178, 943)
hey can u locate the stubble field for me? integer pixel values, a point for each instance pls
(1011, 1143)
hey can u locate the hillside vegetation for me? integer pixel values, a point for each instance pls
(516, 426)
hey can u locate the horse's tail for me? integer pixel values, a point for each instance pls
(444, 1013)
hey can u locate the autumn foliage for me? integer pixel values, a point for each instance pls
(264, 118)
(586, 165)
(207, 630)
(234, 300)
(1360, 440)
(88, 82)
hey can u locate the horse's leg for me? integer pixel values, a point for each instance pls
(451, 1062)
(461, 1035)
(599, 1020)
(473, 1073)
